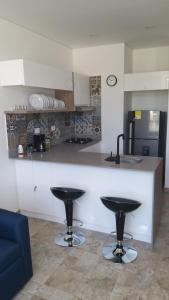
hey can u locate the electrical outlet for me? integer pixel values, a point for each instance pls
(53, 127)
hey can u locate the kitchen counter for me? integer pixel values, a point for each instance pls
(75, 154)
(68, 165)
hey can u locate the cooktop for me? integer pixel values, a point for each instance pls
(78, 140)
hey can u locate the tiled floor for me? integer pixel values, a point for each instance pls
(82, 273)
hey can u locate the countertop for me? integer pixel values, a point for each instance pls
(71, 154)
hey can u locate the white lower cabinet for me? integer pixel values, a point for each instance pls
(33, 188)
(34, 180)
(41, 187)
(25, 185)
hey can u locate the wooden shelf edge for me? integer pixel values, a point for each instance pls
(44, 111)
(41, 111)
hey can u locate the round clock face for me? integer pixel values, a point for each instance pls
(111, 80)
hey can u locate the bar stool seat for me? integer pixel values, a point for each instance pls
(68, 195)
(115, 204)
(119, 252)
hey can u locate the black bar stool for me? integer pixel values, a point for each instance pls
(67, 195)
(119, 252)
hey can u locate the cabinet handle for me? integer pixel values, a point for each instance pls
(35, 188)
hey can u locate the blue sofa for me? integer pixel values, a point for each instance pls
(15, 253)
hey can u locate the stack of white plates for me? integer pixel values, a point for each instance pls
(38, 101)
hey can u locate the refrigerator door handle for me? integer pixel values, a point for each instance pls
(130, 146)
(131, 137)
(130, 130)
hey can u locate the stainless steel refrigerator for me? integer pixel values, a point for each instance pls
(146, 133)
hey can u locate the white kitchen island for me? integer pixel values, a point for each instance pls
(66, 166)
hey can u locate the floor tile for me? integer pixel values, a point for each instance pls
(81, 273)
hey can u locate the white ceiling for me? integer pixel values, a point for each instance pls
(83, 23)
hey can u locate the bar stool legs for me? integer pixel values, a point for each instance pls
(119, 252)
(69, 238)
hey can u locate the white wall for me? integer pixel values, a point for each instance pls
(150, 100)
(105, 60)
(17, 42)
(128, 59)
(151, 59)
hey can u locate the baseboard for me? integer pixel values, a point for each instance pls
(42, 216)
(89, 226)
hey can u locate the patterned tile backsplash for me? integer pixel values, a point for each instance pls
(89, 123)
(20, 128)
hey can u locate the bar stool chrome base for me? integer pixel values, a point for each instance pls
(70, 240)
(125, 254)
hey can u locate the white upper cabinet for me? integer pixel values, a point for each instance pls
(81, 89)
(146, 81)
(28, 73)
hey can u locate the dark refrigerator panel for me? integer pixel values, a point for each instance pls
(146, 147)
(146, 124)
(146, 134)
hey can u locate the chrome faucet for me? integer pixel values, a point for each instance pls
(117, 158)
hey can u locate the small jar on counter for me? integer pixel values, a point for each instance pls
(20, 151)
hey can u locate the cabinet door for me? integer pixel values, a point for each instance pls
(11, 72)
(146, 81)
(33, 187)
(42, 194)
(28, 73)
(40, 75)
(25, 185)
(45, 176)
(81, 89)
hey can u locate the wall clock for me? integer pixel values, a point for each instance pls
(111, 80)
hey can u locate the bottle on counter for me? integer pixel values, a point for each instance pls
(39, 143)
(42, 147)
(29, 149)
(47, 143)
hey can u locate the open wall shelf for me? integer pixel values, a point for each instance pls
(44, 111)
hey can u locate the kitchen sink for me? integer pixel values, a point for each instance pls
(125, 159)
(131, 159)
